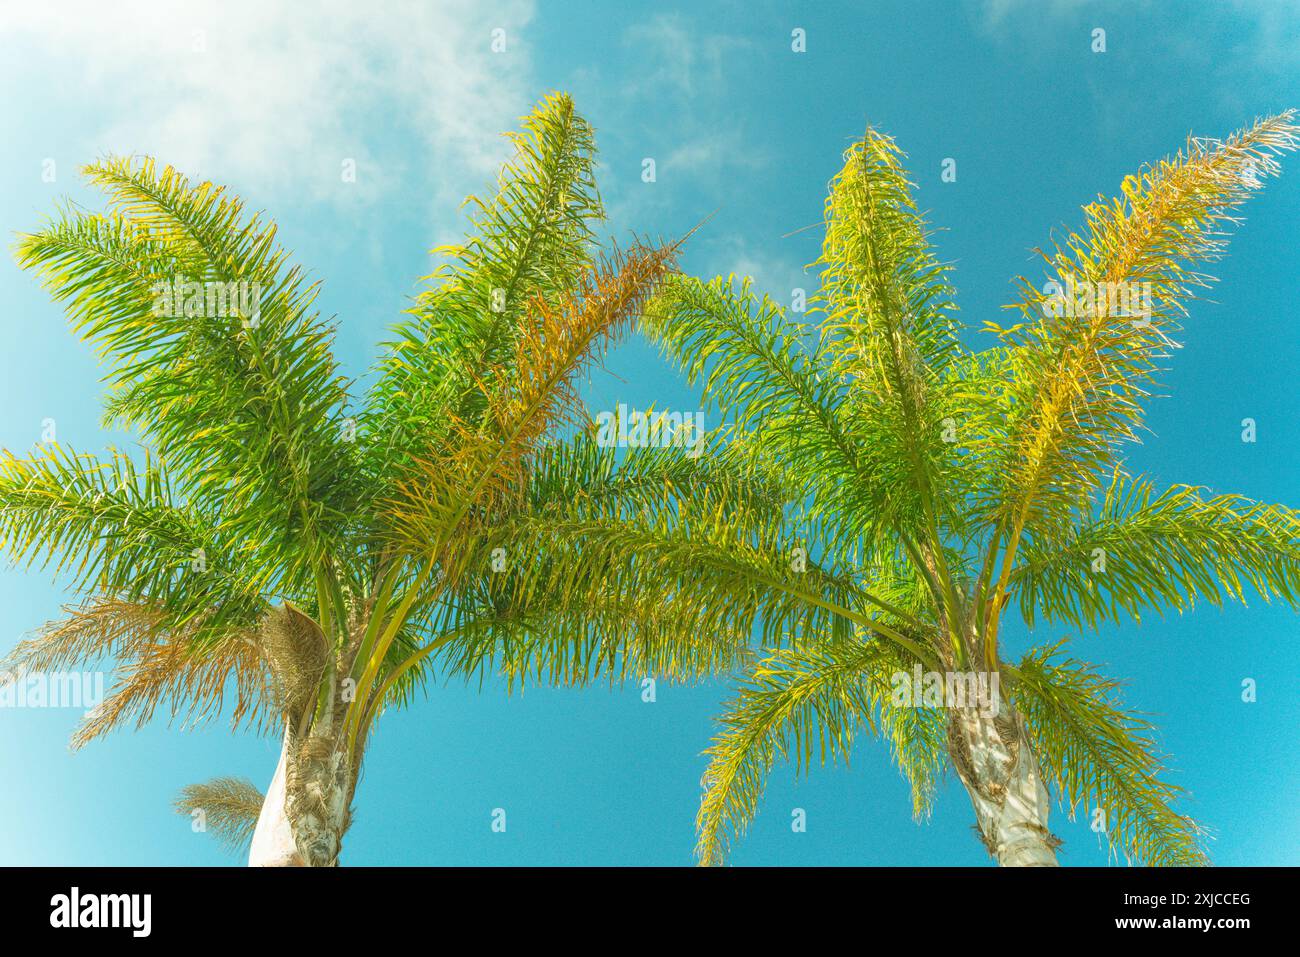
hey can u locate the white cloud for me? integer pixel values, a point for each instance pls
(994, 12)
(276, 94)
(714, 152)
(776, 275)
(685, 60)
(679, 92)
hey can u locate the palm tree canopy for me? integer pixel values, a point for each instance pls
(272, 543)
(946, 483)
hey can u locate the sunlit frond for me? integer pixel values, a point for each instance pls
(533, 238)
(486, 463)
(890, 330)
(1102, 758)
(216, 353)
(767, 375)
(1088, 351)
(794, 702)
(1147, 550)
(120, 530)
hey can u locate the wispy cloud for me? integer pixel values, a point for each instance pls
(714, 153)
(685, 60)
(992, 14)
(681, 95)
(777, 276)
(278, 95)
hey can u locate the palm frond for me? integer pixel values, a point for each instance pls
(487, 464)
(122, 531)
(191, 685)
(890, 330)
(1080, 380)
(152, 666)
(230, 808)
(793, 702)
(1147, 550)
(233, 385)
(532, 238)
(1101, 757)
(766, 373)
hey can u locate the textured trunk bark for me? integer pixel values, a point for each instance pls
(319, 795)
(997, 765)
(306, 810)
(273, 844)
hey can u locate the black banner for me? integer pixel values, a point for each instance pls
(531, 906)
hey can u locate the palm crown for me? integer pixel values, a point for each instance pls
(269, 544)
(945, 487)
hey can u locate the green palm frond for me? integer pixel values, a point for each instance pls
(120, 529)
(582, 477)
(233, 385)
(582, 601)
(1103, 758)
(487, 463)
(1146, 550)
(887, 301)
(718, 574)
(611, 638)
(772, 381)
(889, 323)
(533, 238)
(1080, 381)
(917, 736)
(799, 702)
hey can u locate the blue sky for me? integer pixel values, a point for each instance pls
(272, 101)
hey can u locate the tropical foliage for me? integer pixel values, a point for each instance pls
(943, 487)
(313, 563)
(300, 553)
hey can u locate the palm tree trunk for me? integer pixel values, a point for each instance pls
(307, 807)
(318, 799)
(273, 844)
(996, 763)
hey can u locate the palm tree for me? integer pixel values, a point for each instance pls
(270, 546)
(942, 487)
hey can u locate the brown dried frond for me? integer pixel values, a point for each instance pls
(191, 681)
(296, 652)
(100, 629)
(230, 807)
(151, 665)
